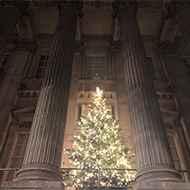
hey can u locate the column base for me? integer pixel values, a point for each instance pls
(33, 185)
(158, 174)
(38, 171)
(161, 186)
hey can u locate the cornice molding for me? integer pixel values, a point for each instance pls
(98, 3)
(151, 4)
(146, 4)
(44, 3)
(103, 37)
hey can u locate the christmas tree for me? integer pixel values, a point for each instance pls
(98, 145)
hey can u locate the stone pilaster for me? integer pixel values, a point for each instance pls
(9, 89)
(153, 157)
(45, 145)
(180, 12)
(9, 16)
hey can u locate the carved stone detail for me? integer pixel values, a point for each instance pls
(89, 94)
(176, 6)
(142, 4)
(24, 28)
(116, 44)
(46, 3)
(167, 45)
(169, 30)
(97, 3)
(25, 124)
(24, 44)
(78, 5)
(151, 4)
(165, 95)
(180, 11)
(14, 120)
(118, 5)
(28, 93)
(79, 46)
(177, 123)
(168, 125)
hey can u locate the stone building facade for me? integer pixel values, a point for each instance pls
(53, 54)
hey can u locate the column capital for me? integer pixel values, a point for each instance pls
(177, 6)
(77, 5)
(118, 5)
(20, 6)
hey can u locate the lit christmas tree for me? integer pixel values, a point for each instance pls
(99, 145)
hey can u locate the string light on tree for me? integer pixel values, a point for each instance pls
(99, 145)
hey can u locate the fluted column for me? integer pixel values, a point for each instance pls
(44, 150)
(9, 16)
(153, 157)
(180, 12)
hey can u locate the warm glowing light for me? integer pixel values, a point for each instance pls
(98, 145)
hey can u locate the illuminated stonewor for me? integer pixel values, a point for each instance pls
(99, 146)
(41, 165)
(155, 168)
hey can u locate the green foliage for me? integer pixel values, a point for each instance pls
(98, 145)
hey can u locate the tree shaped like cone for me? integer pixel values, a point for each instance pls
(99, 145)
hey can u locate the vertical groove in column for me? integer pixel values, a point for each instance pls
(9, 16)
(153, 155)
(44, 149)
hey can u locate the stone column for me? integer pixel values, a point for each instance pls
(153, 157)
(9, 16)
(45, 145)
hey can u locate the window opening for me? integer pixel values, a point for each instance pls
(41, 67)
(3, 63)
(113, 112)
(96, 68)
(152, 69)
(174, 152)
(79, 111)
(18, 154)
